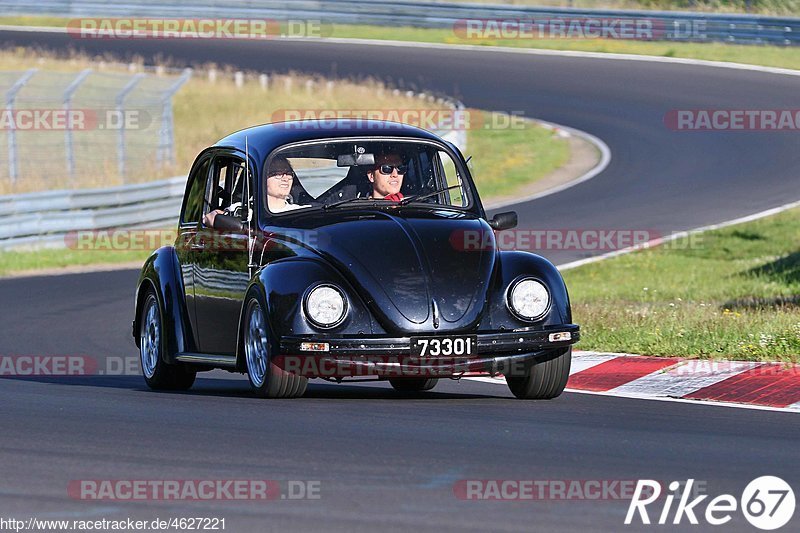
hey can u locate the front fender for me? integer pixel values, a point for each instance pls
(161, 273)
(512, 265)
(285, 284)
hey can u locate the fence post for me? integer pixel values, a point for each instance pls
(69, 92)
(461, 124)
(11, 94)
(166, 134)
(121, 116)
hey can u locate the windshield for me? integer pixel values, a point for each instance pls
(369, 172)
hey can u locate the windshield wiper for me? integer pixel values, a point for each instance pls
(406, 201)
(340, 202)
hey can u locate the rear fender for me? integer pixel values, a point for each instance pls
(161, 273)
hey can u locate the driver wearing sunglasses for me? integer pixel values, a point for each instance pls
(386, 177)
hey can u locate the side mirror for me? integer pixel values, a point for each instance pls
(229, 223)
(503, 221)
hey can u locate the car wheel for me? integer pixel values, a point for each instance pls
(267, 379)
(413, 384)
(157, 374)
(544, 380)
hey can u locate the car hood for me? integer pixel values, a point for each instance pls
(410, 270)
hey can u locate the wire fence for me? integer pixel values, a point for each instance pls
(67, 124)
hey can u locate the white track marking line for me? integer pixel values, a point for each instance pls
(684, 378)
(486, 379)
(33, 29)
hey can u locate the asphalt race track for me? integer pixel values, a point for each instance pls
(383, 459)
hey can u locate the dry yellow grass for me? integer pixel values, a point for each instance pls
(204, 111)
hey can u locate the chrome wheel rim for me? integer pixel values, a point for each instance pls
(255, 345)
(150, 340)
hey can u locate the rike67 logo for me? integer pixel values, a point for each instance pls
(767, 503)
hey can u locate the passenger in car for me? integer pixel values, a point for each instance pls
(280, 177)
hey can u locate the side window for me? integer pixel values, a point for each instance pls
(456, 195)
(193, 204)
(226, 186)
(236, 173)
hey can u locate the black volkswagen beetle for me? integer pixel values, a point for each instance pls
(346, 250)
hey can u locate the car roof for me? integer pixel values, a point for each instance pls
(263, 139)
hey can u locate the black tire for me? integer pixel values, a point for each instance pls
(413, 384)
(267, 379)
(544, 380)
(158, 374)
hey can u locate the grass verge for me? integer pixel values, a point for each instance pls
(15, 262)
(730, 293)
(506, 159)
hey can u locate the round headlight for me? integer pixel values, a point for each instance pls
(529, 299)
(326, 306)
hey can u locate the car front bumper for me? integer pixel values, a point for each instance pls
(507, 352)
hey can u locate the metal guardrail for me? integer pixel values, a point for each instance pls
(48, 218)
(730, 28)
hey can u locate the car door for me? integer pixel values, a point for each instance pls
(191, 213)
(221, 258)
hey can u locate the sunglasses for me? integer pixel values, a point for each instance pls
(387, 169)
(281, 173)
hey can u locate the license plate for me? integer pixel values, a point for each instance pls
(462, 345)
